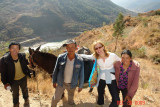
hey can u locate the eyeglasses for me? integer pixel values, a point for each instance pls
(98, 48)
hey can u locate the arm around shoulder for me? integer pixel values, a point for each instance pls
(87, 57)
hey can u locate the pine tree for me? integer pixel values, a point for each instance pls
(118, 28)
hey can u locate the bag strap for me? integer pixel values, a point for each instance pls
(93, 69)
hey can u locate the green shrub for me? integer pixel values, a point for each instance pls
(144, 20)
(158, 12)
(155, 30)
(155, 58)
(140, 53)
(144, 85)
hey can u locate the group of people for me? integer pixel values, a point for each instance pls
(119, 74)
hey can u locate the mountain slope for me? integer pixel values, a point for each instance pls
(141, 35)
(53, 18)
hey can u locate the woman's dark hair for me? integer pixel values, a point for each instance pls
(14, 43)
(128, 52)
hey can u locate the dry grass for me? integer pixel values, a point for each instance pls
(44, 84)
(149, 84)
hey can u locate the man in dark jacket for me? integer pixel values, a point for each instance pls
(14, 72)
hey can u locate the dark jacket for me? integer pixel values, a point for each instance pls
(78, 71)
(7, 67)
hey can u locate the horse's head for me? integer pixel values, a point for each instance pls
(43, 60)
(84, 50)
(32, 53)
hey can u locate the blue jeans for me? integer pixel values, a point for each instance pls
(113, 89)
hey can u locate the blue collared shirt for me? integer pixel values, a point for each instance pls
(78, 71)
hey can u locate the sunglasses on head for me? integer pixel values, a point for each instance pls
(98, 48)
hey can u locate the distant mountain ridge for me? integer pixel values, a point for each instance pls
(139, 5)
(50, 19)
(149, 6)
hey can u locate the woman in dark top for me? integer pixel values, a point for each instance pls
(127, 77)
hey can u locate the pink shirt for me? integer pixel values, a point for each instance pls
(133, 77)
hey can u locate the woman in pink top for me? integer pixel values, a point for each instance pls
(127, 77)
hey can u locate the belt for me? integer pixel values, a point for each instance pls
(112, 73)
(67, 83)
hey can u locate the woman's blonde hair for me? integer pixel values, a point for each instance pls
(95, 53)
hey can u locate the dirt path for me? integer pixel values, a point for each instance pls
(6, 99)
(83, 99)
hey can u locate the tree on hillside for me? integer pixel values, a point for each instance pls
(118, 28)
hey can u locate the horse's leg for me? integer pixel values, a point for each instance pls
(62, 96)
(90, 90)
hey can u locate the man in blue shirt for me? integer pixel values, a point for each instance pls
(68, 73)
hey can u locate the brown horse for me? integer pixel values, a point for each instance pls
(46, 61)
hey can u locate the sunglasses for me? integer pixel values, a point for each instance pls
(98, 48)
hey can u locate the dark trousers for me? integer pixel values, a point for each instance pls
(124, 93)
(113, 89)
(22, 83)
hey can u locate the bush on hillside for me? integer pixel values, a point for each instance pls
(158, 12)
(140, 52)
(156, 58)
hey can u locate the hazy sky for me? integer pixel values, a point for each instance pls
(123, 2)
(118, 1)
(131, 1)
